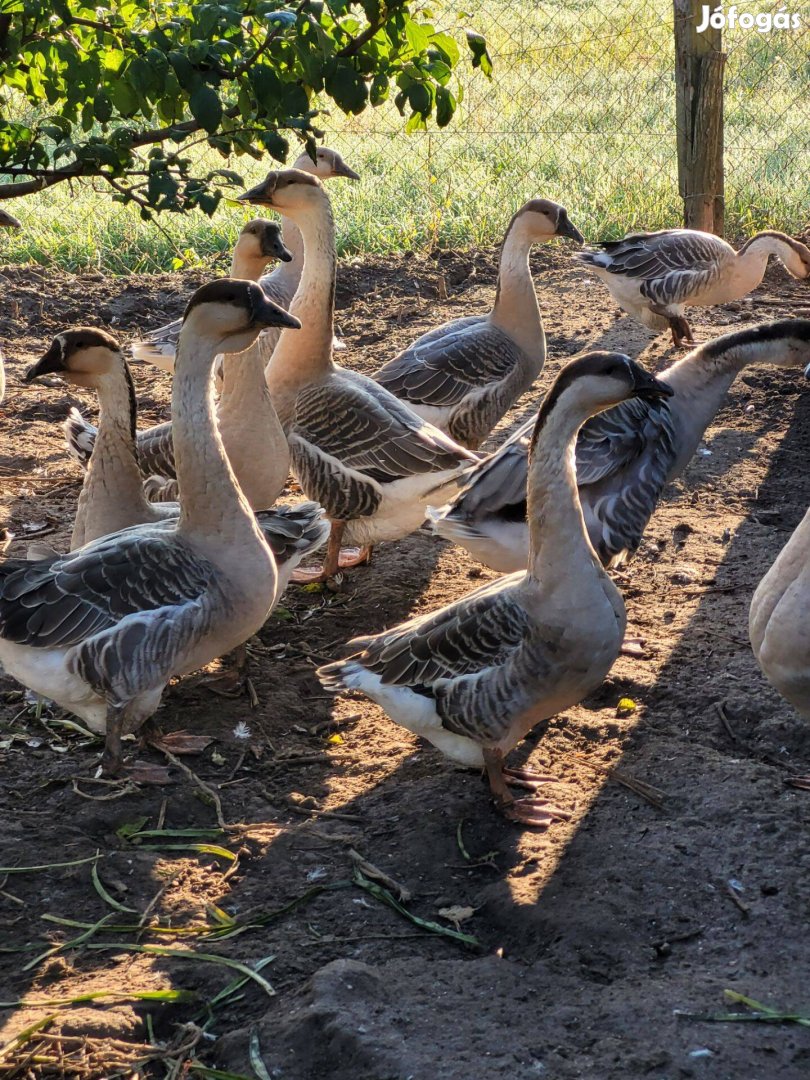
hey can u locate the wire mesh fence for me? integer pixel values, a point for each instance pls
(580, 109)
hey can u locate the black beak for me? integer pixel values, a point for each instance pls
(9, 221)
(284, 254)
(51, 363)
(649, 388)
(256, 195)
(566, 228)
(269, 314)
(342, 169)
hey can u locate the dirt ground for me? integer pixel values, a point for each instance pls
(600, 946)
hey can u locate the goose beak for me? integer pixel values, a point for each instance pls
(565, 227)
(53, 362)
(9, 221)
(342, 169)
(257, 196)
(285, 254)
(270, 314)
(647, 387)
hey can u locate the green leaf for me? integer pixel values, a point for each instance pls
(417, 36)
(348, 88)
(445, 106)
(275, 144)
(419, 99)
(480, 56)
(206, 108)
(448, 46)
(378, 92)
(102, 107)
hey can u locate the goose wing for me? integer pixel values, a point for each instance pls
(62, 601)
(156, 451)
(496, 482)
(478, 631)
(365, 428)
(613, 440)
(624, 459)
(673, 264)
(442, 370)
(482, 659)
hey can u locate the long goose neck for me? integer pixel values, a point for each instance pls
(558, 541)
(305, 355)
(212, 506)
(289, 273)
(252, 434)
(753, 256)
(247, 266)
(113, 464)
(516, 310)
(701, 381)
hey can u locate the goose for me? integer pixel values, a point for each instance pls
(464, 376)
(6, 222)
(655, 276)
(625, 457)
(280, 285)
(112, 497)
(254, 441)
(356, 449)
(778, 621)
(476, 676)
(258, 243)
(101, 630)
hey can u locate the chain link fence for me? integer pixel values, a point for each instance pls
(580, 109)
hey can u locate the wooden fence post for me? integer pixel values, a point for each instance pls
(699, 67)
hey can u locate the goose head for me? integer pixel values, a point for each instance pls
(290, 191)
(595, 382)
(8, 221)
(543, 219)
(327, 164)
(797, 259)
(230, 313)
(82, 355)
(260, 240)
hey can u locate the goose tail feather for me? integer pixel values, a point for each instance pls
(80, 437)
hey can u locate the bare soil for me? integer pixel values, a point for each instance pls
(601, 942)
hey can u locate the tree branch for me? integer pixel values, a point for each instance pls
(29, 187)
(356, 44)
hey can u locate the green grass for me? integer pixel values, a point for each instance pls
(581, 109)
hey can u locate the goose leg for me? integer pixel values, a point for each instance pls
(682, 337)
(528, 811)
(335, 560)
(111, 759)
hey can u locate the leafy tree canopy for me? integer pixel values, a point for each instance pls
(124, 89)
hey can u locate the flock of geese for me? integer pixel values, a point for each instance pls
(179, 552)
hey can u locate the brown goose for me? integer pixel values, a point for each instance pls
(779, 620)
(356, 449)
(476, 676)
(464, 376)
(656, 276)
(103, 629)
(625, 457)
(258, 243)
(6, 222)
